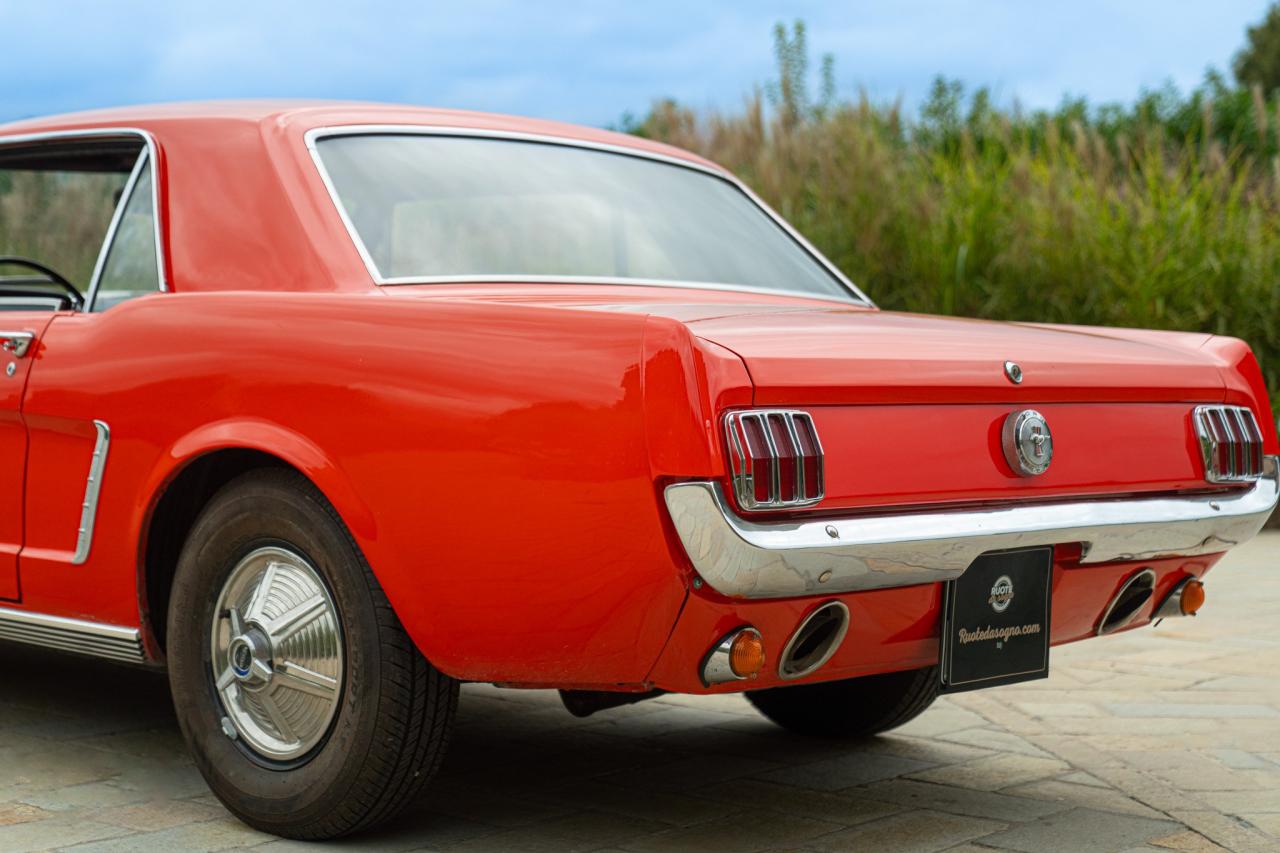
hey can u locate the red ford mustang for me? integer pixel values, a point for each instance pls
(358, 403)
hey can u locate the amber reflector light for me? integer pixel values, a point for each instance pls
(746, 655)
(1192, 597)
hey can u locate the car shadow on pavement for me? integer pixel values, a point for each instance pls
(92, 741)
(91, 755)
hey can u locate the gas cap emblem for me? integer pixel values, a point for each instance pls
(1028, 444)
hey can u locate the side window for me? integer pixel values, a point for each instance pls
(58, 198)
(129, 268)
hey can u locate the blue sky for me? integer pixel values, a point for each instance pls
(590, 62)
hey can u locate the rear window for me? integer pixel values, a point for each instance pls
(446, 207)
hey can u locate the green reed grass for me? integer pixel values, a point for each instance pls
(57, 218)
(1136, 217)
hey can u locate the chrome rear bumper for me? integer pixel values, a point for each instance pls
(746, 559)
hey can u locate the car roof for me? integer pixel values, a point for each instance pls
(241, 205)
(305, 115)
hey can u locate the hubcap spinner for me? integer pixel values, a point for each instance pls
(277, 654)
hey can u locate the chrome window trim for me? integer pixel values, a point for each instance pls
(609, 280)
(92, 489)
(314, 135)
(149, 148)
(98, 639)
(95, 281)
(741, 558)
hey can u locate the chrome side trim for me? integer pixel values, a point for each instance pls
(72, 635)
(149, 145)
(89, 509)
(747, 559)
(316, 134)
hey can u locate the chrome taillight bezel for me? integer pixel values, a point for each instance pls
(1235, 428)
(742, 472)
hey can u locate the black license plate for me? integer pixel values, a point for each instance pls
(996, 620)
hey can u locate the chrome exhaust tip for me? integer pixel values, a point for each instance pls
(1127, 603)
(814, 641)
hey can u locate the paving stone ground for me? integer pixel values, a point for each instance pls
(1160, 739)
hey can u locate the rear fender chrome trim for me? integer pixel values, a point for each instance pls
(751, 559)
(72, 635)
(92, 488)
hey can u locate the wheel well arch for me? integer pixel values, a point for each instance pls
(174, 514)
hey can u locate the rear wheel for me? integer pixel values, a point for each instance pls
(305, 704)
(855, 707)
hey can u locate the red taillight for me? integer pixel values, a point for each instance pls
(811, 459)
(787, 454)
(775, 459)
(1230, 442)
(759, 462)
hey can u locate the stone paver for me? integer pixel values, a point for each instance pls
(1081, 831)
(1164, 739)
(911, 832)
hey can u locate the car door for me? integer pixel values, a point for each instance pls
(71, 446)
(20, 333)
(63, 203)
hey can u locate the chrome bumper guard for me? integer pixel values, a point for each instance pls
(747, 559)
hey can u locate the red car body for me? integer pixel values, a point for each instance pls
(502, 451)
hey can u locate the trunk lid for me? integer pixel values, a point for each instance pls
(843, 356)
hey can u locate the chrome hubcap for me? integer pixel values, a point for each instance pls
(277, 653)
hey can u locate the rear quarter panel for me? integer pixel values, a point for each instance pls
(490, 460)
